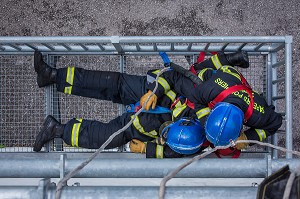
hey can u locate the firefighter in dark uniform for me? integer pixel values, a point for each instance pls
(223, 102)
(118, 88)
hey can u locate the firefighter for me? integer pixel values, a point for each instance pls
(118, 88)
(222, 99)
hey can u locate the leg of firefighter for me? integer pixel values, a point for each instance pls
(239, 59)
(105, 85)
(113, 86)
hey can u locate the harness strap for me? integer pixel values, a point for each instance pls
(229, 91)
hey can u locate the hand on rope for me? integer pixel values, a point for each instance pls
(242, 145)
(151, 102)
(137, 146)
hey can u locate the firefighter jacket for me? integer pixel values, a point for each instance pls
(216, 77)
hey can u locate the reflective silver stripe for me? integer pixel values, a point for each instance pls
(178, 110)
(69, 79)
(138, 126)
(172, 95)
(216, 61)
(203, 112)
(159, 151)
(75, 133)
(261, 134)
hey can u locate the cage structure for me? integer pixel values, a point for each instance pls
(24, 106)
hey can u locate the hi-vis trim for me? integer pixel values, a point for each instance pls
(227, 69)
(138, 126)
(162, 82)
(172, 95)
(216, 61)
(69, 79)
(75, 133)
(203, 112)
(200, 74)
(261, 134)
(159, 151)
(178, 110)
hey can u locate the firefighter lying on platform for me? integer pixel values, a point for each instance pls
(222, 100)
(119, 88)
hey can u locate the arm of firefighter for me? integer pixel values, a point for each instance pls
(137, 146)
(155, 150)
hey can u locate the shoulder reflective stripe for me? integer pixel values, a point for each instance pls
(216, 61)
(69, 79)
(138, 126)
(75, 133)
(155, 72)
(159, 151)
(172, 95)
(200, 74)
(178, 110)
(261, 134)
(228, 69)
(203, 112)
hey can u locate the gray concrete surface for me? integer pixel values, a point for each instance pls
(158, 17)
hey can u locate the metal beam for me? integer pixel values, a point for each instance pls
(42, 167)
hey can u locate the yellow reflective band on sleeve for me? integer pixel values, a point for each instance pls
(203, 112)
(261, 134)
(178, 110)
(162, 82)
(216, 61)
(75, 133)
(159, 151)
(70, 80)
(200, 74)
(229, 70)
(138, 126)
(172, 95)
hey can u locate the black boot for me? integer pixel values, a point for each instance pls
(46, 75)
(51, 129)
(238, 59)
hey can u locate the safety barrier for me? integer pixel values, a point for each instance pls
(24, 106)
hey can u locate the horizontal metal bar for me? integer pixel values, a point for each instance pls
(47, 191)
(278, 80)
(278, 97)
(36, 166)
(277, 64)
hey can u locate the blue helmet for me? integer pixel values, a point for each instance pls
(224, 124)
(184, 136)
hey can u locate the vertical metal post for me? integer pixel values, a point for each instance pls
(48, 102)
(121, 107)
(272, 58)
(288, 94)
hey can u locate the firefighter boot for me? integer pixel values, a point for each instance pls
(51, 129)
(238, 59)
(46, 75)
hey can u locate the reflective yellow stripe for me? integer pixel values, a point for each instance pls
(159, 151)
(69, 79)
(172, 95)
(203, 112)
(200, 74)
(138, 126)
(261, 134)
(162, 82)
(227, 69)
(178, 110)
(75, 133)
(216, 61)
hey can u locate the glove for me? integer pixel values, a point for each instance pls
(243, 145)
(137, 146)
(151, 102)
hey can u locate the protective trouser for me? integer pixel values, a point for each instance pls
(113, 86)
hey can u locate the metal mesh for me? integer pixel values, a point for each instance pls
(24, 105)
